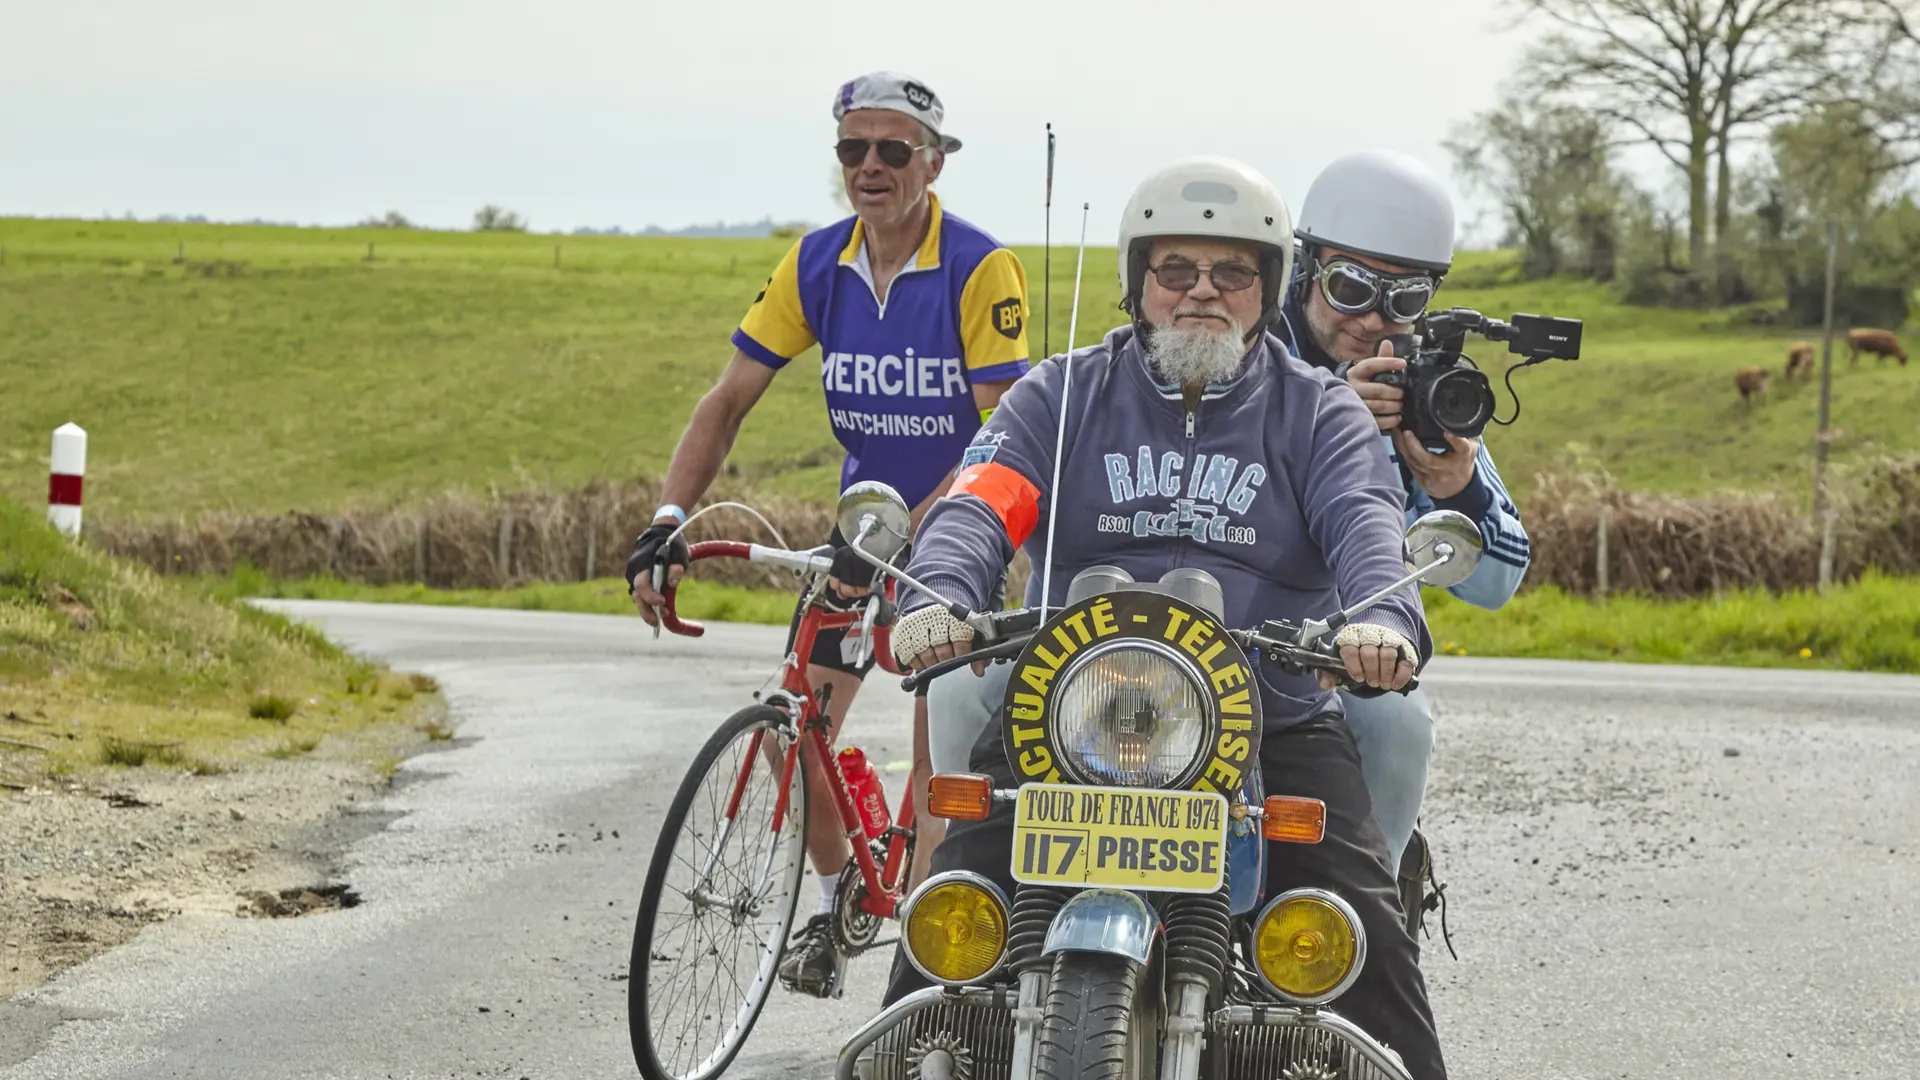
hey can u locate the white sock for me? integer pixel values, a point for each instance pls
(829, 890)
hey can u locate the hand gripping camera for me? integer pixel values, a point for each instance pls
(1442, 394)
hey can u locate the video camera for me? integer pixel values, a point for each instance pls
(1442, 395)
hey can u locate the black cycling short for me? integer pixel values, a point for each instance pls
(826, 643)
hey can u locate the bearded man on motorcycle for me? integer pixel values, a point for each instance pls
(1376, 234)
(1195, 438)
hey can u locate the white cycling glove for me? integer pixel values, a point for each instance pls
(1358, 634)
(924, 628)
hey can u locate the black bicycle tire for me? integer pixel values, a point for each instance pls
(740, 723)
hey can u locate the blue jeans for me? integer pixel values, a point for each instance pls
(1394, 734)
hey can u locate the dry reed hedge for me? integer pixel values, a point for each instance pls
(1658, 545)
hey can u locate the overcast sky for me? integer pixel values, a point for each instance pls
(674, 113)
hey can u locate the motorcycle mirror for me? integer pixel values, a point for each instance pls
(892, 520)
(1460, 536)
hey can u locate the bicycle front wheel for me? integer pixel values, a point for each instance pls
(718, 903)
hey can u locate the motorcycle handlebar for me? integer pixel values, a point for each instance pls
(1023, 622)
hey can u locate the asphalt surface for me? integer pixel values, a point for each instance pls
(1653, 871)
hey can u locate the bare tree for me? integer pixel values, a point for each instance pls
(1772, 58)
(1684, 76)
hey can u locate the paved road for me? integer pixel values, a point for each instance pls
(1654, 872)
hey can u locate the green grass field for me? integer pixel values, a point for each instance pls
(1869, 625)
(280, 368)
(103, 663)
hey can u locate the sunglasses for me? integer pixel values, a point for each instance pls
(1353, 289)
(894, 153)
(1179, 275)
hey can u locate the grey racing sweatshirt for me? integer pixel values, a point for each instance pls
(1274, 484)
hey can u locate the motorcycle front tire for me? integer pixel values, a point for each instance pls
(1088, 1029)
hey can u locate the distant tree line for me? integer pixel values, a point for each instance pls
(1824, 95)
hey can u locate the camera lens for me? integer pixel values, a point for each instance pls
(1461, 401)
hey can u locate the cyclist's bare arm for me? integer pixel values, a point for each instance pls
(704, 446)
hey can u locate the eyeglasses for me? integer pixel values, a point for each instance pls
(1353, 289)
(894, 153)
(1179, 275)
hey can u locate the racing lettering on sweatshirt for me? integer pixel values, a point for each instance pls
(1273, 483)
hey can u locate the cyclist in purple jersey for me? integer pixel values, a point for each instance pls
(920, 318)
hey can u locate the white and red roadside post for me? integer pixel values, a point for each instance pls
(63, 486)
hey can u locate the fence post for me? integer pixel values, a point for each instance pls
(66, 476)
(1826, 548)
(506, 545)
(1601, 561)
(593, 526)
(166, 558)
(333, 545)
(420, 548)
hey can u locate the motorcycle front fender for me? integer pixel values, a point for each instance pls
(1104, 921)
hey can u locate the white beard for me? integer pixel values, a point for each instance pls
(1196, 356)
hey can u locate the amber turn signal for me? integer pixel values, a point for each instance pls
(1294, 820)
(960, 796)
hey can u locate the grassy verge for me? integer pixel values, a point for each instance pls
(104, 664)
(267, 369)
(1869, 625)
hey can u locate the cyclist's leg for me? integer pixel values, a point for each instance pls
(815, 964)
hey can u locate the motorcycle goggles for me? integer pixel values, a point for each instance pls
(1353, 289)
(894, 153)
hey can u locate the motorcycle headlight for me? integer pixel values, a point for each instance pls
(1309, 946)
(955, 927)
(1132, 714)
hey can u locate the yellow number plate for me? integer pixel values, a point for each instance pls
(1129, 838)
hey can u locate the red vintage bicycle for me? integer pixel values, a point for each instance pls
(724, 881)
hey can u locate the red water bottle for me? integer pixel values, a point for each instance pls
(869, 798)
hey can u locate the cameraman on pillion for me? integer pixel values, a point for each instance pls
(1376, 235)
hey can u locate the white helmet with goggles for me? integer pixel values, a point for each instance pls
(1382, 205)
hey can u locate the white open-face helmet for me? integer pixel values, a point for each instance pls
(1384, 204)
(1211, 197)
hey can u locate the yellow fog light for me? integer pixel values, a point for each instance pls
(1309, 946)
(956, 928)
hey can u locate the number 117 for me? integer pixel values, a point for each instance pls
(1070, 842)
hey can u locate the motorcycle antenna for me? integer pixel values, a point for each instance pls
(1046, 274)
(1060, 433)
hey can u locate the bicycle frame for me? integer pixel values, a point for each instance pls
(885, 879)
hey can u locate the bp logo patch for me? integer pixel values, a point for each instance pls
(1226, 674)
(1007, 318)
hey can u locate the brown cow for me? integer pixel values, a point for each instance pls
(1752, 382)
(1881, 343)
(1800, 358)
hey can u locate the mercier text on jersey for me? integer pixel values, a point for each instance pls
(898, 374)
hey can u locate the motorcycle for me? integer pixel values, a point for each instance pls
(1138, 943)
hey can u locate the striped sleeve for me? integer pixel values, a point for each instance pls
(993, 319)
(1508, 552)
(775, 329)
